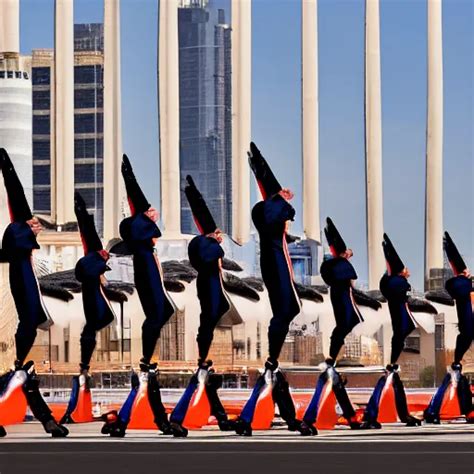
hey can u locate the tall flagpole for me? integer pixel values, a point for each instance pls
(241, 117)
(310, 119)
(168, 97)
(113, 186)
(63, 188)
(434, 143)
(373, 144)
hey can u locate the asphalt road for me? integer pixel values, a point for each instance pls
(447, 449)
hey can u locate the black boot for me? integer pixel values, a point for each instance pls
(412, 421)
(54, 429)
(3, 433)
(113, 425)
(178, 431)
(302, 428)
(38, 406)
(307, 430)
(213, 384)
(242, 428)
(432, 419)
(370, 425)
(157, 407)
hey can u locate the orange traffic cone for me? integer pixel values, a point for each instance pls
(387, 405)
(13, 403)
(142, 417)
(327, 416)
(199, 409)
(83, 411)
(259, 411)
(79, 409)
(450, 406)
(321, 412)
(265, 407)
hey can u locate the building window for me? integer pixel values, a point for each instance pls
(88, 74)
(42, 200)
(41, 100)
(41, 125)
(92, 173)
(439, 337)
(88, 148)
(412, 344)
(41, 150)
(41, 76)
(91, 196)
(41, 174)
(88, 98)
(88, 123)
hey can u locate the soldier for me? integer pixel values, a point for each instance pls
(339, 274)
(457, 401)
(389, 390)
(139, 232)
(19, 241)
(98, 311)
(271, 217)
(205, 254)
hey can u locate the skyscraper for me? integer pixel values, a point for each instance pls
(88, 122)
(205, 108)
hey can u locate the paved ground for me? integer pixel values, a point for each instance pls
(447, 449)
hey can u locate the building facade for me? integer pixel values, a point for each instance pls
(205, 108)
(15, 115)
(88, 122)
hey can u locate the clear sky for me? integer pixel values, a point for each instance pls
(276, 79)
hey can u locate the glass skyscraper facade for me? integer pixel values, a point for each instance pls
(205, 108)
(88, 122)
(41, 76)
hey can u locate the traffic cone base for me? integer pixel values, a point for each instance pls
(450, 407)
(387, 405)
(83, 410)
(264, 409)
(13, 403)
(327, 416)
(199, 409)
(141, 414)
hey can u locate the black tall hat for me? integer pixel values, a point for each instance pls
(136, 199)
(268, 184)
(335, 241)
(201, 214)
(90, 239)
(19, 209)
(455, 260)
(394, 262)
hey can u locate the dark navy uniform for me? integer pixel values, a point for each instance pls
(338, 273)
(18, 243)
(394, 287)
(138, 231)
(205, 254)
(89, 270)
(270, 217)
(460, 289)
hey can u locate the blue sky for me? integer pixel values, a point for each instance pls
(276, 108)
